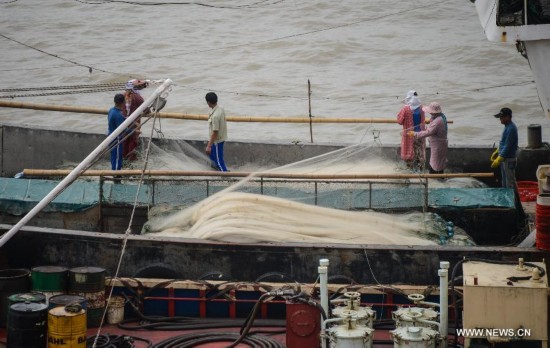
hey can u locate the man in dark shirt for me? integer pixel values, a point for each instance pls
(505, 155)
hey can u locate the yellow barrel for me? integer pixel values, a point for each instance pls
(67, 327)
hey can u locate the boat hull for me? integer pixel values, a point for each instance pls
(147, 256)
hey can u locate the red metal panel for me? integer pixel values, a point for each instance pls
(171, 303)
(232, 305)
(202, 304)
(303, 325)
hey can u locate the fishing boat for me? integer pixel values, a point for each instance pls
(485, 267)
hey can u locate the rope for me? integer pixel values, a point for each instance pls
(119, 85)
(13, 96)
(128, 229)
(61, 90)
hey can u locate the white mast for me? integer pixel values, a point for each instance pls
(162, 90)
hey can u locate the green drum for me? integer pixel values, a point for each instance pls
(12, 281)
(49, 279)
(30, 297)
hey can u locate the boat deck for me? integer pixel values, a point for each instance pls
(141, 338)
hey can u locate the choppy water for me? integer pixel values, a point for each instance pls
(361, 57)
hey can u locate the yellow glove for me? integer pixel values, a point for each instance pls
(410, 133)
(496, 163)
(494, 155)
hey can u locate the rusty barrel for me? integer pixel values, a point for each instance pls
(89, 282)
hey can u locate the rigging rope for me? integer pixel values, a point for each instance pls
(128, 229)
(62, 90)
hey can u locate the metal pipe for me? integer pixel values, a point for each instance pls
(77, 171)
(323, 289)
(324, 328)
(444, 302)
(429, 304)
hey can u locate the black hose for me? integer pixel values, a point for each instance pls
(249, 320)
(115, 341)
(197, 324)
(195, 339)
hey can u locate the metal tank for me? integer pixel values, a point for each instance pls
(349, 334)
(416, 316)
(365, 315)
(414, 337)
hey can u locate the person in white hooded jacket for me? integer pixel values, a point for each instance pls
(412, 118)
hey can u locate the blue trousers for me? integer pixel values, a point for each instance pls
(508, 172)
(116, 157)
(216, 155)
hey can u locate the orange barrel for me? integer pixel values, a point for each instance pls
(12, 281)
(89, 282)
(27, 325)
(67, 327)
(542, 218)
(50, 280)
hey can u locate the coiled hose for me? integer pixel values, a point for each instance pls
(115, 341)
(195, 339)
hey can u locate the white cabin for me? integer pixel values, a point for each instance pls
(526, 23)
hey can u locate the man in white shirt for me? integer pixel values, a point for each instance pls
(217, 129)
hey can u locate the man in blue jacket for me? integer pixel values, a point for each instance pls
(115, 119)
(505, 156)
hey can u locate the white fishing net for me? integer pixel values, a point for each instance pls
(239, 213)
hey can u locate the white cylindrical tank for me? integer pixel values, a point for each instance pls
(414, 337)
(349, 334)
(365, 315)
(415, 316)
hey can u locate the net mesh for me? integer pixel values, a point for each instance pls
(257, 210)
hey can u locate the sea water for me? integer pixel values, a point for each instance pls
(361, 57)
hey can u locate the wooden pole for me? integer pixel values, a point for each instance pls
(310, 117)
(151, 172)
(183, 116)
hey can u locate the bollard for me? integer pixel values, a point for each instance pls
(534, 136)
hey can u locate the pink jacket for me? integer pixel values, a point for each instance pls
(437, 134)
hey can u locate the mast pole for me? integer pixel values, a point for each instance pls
(309, 104)
(75, 173)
